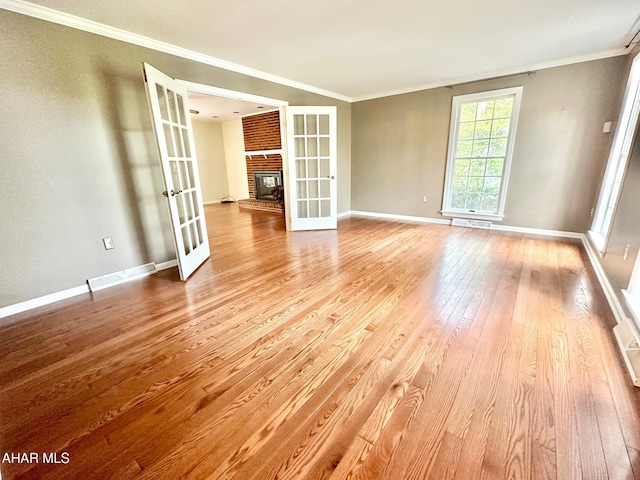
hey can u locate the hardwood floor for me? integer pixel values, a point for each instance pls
(383, 350)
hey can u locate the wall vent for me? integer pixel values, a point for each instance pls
(463, 222)
(116, 278)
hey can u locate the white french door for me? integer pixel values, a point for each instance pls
(174, 134)
(312, 165)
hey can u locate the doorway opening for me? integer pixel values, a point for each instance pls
(227, 159)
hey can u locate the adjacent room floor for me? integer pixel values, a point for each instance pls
(382, 350)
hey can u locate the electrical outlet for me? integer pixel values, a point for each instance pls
(625, 255)
(108, 243)
(424, 199)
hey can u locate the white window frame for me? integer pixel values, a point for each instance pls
(447, 209)
(618, 160)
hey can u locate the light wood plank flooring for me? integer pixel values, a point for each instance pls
(382, 350)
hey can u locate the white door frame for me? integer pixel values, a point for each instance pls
(249, 97)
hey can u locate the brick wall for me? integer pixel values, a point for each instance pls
(261, 132)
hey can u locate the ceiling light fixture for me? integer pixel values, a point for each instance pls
(195, 112)
(236, 112)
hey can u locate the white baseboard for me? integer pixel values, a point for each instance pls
(64, 294)
(42, 301)
(166, 265)
(537, 231)
(444, 221)
(122, 276)
(607, 288)
(392, 216)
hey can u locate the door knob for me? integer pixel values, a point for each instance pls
(174, 193)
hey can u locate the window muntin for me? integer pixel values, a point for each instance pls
(480, 147)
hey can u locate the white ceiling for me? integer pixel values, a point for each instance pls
(219, 109)
(360, 49)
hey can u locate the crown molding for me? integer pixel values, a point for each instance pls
(61, 18)
(485, 76)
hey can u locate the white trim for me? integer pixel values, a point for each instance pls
(79, 23)
(232, 94)
(344, 214)
(42, 301)
(634, 281)
(64, 294)
(123, 276)
(211, 202)
(486, 76)
(627, 339)
(275, 151)
(166, 265)
(391, 216)
(607, 288)
(537, 231)
(633, 302)
(471, 215)
(626, 330)
(90, 26)
(598, 241)
(443, 221)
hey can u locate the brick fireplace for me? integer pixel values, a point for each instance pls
(261, 134)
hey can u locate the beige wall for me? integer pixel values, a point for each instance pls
(78, 156)
(236, 162)
(399, 147)
(212, 165)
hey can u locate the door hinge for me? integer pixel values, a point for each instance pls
(144, 74)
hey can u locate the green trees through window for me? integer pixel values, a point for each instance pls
(479, 151)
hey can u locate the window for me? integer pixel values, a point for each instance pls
(618, 159)
(483, 127)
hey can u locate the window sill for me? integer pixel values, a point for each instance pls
(476, 216)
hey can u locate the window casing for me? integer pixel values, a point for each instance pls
(618, 160)
(481, 139)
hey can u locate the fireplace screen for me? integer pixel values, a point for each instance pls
(269, 186)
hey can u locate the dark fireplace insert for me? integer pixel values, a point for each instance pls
(269, 186)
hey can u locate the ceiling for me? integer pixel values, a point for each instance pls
(358, 49)
(219, 109)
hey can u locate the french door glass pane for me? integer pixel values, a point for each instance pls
(186, 240)
(325, 208)
(164, 113)
(323, 124)
(301, 168)
(169, 140)
(298, 125)
(172, 106)
(312, 125)
(302, 209)
(314, 209)
(313, 168)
